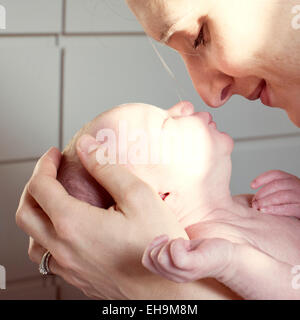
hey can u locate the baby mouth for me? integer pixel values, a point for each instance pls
(211, 120)
(206, 116)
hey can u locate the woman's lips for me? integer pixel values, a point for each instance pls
(261, 92)
(257, 92)
(265, 97)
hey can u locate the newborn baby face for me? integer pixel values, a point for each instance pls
(176, 132)
(136, 132)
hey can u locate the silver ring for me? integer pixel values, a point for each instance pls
(44, 265)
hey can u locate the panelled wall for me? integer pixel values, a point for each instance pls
(64, 62)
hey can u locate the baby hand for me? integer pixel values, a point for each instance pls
(280, 194)
(182, 260)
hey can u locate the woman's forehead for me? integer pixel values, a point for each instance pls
(159, 16)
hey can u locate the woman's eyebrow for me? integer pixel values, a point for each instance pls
(170, 30)
(165, 35)
(177, 26)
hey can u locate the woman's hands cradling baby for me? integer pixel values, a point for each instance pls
(97, 250)
(279, 195)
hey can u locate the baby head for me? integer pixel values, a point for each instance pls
(179, 152)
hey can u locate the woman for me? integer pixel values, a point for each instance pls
(255, 47)
(232, 47)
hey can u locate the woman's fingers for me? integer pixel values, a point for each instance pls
(64, 211)
(122, 185)
(47, 191)
(268, 177)
(35, 223)
(43, 186)
(31, 218)
(36, 252)
(48, 164)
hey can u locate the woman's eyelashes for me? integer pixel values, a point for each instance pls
(200, 41)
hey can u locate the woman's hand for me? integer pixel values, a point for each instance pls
(98, 251)
(279, 195)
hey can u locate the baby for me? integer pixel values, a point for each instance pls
(174, 181)
(195, 187)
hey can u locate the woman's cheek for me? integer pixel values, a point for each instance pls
(231, 60)
(233, 52)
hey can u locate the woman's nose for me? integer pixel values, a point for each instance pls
(215, 93)
(214, 86)
(225, 93)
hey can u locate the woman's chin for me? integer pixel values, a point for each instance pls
(294, 118)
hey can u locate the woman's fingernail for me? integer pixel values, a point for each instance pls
(263, 210)
(88, 144)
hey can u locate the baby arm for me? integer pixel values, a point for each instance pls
(279, 195)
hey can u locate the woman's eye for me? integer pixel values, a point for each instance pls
(200, 41)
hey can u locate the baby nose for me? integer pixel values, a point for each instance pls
(183, 108)
(187, 109)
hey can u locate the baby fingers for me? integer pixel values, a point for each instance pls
(169, 260)
(290, 210)
(283, 197)
(148, 256)
(268, 177)
(278, 185)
